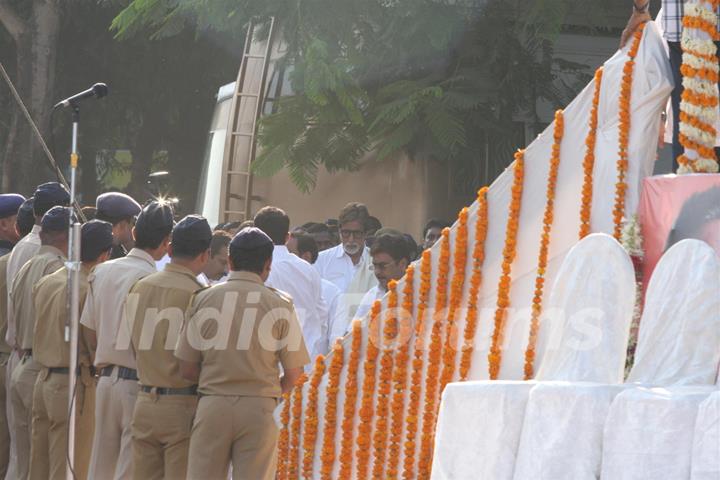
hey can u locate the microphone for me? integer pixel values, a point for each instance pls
(98, 90)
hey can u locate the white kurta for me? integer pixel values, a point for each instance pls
(296, 277)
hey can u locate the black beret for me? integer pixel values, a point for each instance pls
(25, 216)
(48, 195)
(155, 216)
(116, 205)
(10, 203)
(250, 238)
(56, 219)
(96, 237)
(192, 228)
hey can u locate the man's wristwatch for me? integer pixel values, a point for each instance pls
(642, 8)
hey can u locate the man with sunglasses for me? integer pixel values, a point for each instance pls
(391, 254)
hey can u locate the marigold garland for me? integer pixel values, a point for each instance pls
(402, 358)
(390, 330)
(311, 418)
(509, 252)
(699, 103)
(434, 354)
(284, 438)
(413, 409)
(456, 290)
(351, 390)
(296, 425)
(481, 226)
(589, 161)
(544, 244)
(624, 133)
(327, 455)
(363, 440)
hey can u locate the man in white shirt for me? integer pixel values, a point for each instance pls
(391, 255)
(348, 264)
(306, 248)
(104, 309)
(297, 278)
(217, 267)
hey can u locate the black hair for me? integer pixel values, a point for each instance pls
(24, 224)
(274, 222)
(435, 223)
(91, 254)
(306, 243)
(699, 209)
(250, 259)
(150, 238)
(396, 246)
(314, 228)
(372, 224)
(220, 239)
(189, 248)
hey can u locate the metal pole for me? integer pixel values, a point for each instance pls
(71, 330)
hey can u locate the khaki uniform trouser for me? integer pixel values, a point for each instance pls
(112, 442)
(4, 427)
(161, 429)
(50, 427)
(21, 388)
(12, 364)
(237, 430)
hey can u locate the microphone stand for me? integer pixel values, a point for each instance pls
(72, 326)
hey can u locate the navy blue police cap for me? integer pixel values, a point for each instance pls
(49, 195)
(95, 238)
(116, 205)
(250, 238)
(192, 228)
(155, 216)
(10, 203)
(56, 219)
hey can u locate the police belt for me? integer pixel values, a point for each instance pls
(192, 390)
(122, 372)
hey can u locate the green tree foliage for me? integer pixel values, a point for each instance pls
(448, 79)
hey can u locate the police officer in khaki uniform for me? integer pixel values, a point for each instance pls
(24, 222)
(50, 258)
(166, 403)
(103, 314)
(51, 351)
(120, 210)
(237, 336)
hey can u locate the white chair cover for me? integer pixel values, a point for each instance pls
(486, 417)
(649, 433)
(594, 293)
(679, 339)
(706, 442)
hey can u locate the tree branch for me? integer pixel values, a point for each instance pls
(12, 22)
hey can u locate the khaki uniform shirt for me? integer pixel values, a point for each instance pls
(26, 248)
(110, 283)
(240, 332)
(48, 260)
(51, 315)
(4, 347)
(154, 312)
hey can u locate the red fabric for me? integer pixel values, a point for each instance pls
(661, 199)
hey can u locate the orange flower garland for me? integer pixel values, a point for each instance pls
(544, 244)
(296, 409)
(433, 367)
(328, 450)
(622, 163)
(509, 251)
(390, 331)
(284, 438)
(351, 391)
(368, 393)
(417, 368)
(311, 418)
(475, 281)
(589, 161)
(400, 377)
(456, 291)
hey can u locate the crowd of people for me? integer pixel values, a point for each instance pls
(188, 335)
